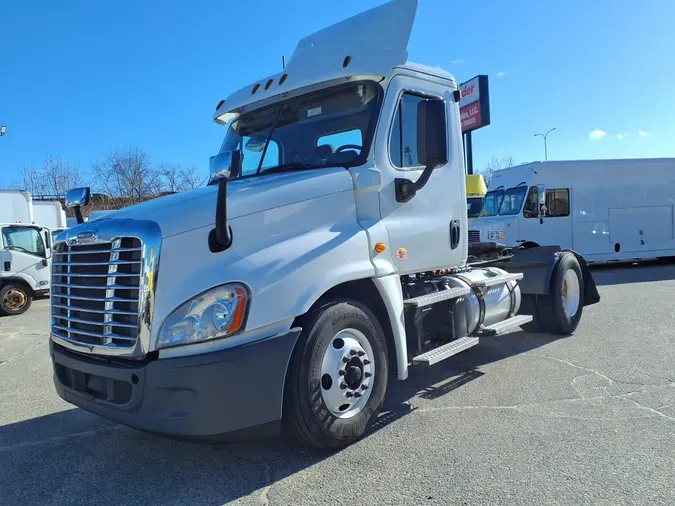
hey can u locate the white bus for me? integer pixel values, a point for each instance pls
(603, 209)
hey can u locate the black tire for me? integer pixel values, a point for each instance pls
(8, 295)
(551, 314)
(305, 411)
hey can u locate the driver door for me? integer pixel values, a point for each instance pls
(24, 255)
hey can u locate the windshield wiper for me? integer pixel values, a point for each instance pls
(289, 167)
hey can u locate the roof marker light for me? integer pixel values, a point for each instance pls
(269, 83)
(346, 61)
(283, 78)
(255, 88)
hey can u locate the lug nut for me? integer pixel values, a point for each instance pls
(341, 372)
(362, 353)
(368, 374)
(345, 359)
(348, 394)
(357, 394)
(353, 352)
(366, 362)
(364, 387)
(343, 385)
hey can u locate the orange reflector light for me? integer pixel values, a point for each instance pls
(380, 247)
(239, 310)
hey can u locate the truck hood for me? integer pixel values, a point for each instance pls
(185, 211)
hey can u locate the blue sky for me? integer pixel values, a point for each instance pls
(79, 78)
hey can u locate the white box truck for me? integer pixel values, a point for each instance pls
(50, 214)
(603, 209)
(24, 254)
(316, 264)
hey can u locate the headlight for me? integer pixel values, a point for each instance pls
(495, 234)
(218, 312)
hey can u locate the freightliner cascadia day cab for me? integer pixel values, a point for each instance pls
(24, 253)
(604, 209)
(327, 256)
(475, 193)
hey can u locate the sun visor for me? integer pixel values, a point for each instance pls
(369, 44)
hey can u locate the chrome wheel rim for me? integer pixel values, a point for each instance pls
(347, 373)
(14, 299)
(571, 293)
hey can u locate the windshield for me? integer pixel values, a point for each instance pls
(513, 200)
(23, 239)
(474, 205)
(491, 203)
(325, 128)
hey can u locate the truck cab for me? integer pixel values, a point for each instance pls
(475, 193)
(25, 270)
(326, 257)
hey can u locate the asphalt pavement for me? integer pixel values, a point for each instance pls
(519, 419)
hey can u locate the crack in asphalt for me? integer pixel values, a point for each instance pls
(30, 348)
(583, 399)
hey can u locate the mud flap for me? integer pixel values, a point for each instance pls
(537, 265)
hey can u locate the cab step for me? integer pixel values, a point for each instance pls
(436, 297)
(500, 327)
(447, 350)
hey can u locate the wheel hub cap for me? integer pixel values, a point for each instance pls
(347, 373)
(14, 299)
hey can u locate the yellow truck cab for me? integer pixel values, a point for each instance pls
(475, 192)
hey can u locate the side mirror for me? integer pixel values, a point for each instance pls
(225, 165)
(432, 133)
(78, 197)
(541, 191)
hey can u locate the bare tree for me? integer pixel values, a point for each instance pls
(53, 179)
(127, 174)
(177, 178)
(495, 164)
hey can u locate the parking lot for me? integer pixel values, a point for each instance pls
(520, 419)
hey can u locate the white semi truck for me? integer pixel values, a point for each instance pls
(24, 253)
(328, 256)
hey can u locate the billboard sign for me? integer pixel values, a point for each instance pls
(474, 104)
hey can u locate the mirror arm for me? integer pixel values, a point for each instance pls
(78, 215)
(220, 238)
(406, 189)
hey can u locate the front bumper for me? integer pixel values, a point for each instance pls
(209, 396)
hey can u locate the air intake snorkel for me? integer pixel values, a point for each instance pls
(223, 166)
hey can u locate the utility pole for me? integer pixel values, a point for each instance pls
(544, 136)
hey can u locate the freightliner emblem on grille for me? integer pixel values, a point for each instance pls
(82, 238)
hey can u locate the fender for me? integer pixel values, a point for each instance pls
(21, 277)
(392, 296)
(537, 265)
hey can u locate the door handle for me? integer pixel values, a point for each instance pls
(455, 235)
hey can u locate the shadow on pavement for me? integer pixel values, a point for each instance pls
(622, 273)
(76, 457)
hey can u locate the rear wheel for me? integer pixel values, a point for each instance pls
(338, 375)
(559, 311)
(15, 299)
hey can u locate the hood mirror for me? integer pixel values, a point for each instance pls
(225, 165)
(76, 199)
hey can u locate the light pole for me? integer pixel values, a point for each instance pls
(545, 136)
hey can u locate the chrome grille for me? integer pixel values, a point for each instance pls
(474, 236)
(95, 292)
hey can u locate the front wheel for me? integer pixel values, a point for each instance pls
(559, 311)
(338, 376)
(14, 300)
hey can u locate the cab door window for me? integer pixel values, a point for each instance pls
(531, 203)
(24, 240)
(403, 141)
